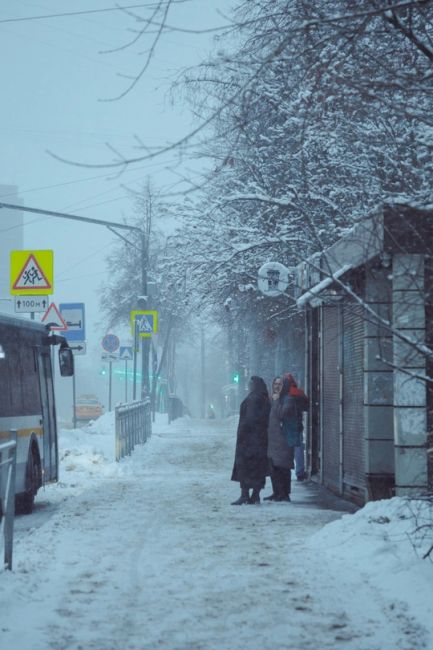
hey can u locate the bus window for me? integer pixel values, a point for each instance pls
(29, 380)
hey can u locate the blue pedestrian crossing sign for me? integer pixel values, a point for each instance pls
(146, 322)
(125, 353)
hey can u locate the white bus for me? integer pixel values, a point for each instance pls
(27, 403)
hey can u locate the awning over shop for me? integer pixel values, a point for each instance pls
(315, 291)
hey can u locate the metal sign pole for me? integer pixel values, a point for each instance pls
(134, 390)
(109, 385)
(74, 400)
(126, 380)
(53, 359)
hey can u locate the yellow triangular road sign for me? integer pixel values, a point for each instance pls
(31, 272)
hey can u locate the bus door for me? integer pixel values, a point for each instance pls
(51, 461)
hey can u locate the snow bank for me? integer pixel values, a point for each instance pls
(386, 541)
(88, 452)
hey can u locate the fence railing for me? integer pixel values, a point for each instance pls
(7, 496)
(133, 426)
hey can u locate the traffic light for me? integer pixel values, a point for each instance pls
(235, 377)
(103, 371)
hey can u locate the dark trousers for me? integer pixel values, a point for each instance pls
(281, 479)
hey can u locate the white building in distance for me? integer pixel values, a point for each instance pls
(11, 238)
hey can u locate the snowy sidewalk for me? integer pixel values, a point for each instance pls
(149, 554)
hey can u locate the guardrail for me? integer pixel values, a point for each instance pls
(7, 496)
(133, 426)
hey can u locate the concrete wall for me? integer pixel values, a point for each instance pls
(410, 413)
(378, 385)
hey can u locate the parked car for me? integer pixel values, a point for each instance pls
(88, 407)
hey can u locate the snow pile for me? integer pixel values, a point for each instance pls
(388, 542)
(87, 452)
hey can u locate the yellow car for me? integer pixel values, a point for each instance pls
(88, 407)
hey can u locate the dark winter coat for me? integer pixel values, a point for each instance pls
(251, 464)
(279, 451)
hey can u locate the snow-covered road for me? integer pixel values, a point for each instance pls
(149, 554)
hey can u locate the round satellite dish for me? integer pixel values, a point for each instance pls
(273, 279)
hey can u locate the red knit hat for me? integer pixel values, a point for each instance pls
(290, 378)
(293, 389)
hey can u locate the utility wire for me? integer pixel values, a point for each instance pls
(146, 5)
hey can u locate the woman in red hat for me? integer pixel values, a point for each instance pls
(284, 433)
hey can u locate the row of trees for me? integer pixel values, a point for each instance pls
(308, 117)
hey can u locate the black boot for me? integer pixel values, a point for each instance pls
(271, 497)
(255, 497)
(244, 498)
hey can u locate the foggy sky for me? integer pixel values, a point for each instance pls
(52, 78)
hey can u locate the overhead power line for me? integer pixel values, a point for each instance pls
(145, 5)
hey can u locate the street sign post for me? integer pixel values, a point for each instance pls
(134, 385)
(78, 347)
(109, 356)
(110, 343)
(53, 319)
(145, 320)
(74, 317)
(31, 273)
(126, 354)
(30, 304)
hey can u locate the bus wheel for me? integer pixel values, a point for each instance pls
(24, 502)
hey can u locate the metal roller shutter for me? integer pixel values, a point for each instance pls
(331, 398)
(353, 398)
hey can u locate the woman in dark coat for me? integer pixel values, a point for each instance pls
(251, 464)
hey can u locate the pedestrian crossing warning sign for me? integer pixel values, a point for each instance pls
(31, 272)
(53, 319)
(144, 322)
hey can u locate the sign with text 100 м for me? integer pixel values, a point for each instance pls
(28, 304)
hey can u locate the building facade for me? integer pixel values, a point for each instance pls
(368, 307)
(11, 230)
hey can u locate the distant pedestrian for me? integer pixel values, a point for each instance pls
(280, 452)
(251, 464)
(301, 401)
